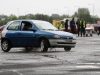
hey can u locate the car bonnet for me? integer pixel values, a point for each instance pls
(61, 33)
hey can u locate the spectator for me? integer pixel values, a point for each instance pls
(58, 25)
(98, 23)
(82, 27)
(61, 25)
(72, 26)
(66, 25)
(78, 26)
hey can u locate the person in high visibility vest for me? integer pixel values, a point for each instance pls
(58, 26)
(82, 27)
(61, 25)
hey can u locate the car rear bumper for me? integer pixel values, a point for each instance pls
(62, 42)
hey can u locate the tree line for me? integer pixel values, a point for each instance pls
(80, 13)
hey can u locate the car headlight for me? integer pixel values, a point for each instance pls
(56, 36)
(74, 37)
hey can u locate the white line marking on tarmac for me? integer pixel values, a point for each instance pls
(17, 72)
(87, 66)
(88, 63)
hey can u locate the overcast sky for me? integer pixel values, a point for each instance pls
(22, 7)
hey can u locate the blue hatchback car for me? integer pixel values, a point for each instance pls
(35, 33)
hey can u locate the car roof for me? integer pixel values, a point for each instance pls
(31, 20)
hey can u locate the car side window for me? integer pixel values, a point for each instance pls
(26, 25)
(14, 26)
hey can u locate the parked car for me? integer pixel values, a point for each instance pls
(95, 27)
(35, 33)
(1, 28)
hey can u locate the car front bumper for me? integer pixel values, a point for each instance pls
(62, 42)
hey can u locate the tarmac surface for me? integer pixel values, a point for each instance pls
(81, 60)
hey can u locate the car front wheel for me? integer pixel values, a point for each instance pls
(44, 46)
(5, 45)
(67, 48)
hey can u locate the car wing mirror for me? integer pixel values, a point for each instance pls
(32, 29)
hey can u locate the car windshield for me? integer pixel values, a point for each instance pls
(45, 26)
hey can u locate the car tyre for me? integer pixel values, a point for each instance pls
(67, 48)
(28, 49)
(5, 45)
(44, 46)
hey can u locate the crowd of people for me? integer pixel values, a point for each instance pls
(81, 25)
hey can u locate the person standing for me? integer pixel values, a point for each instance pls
(58, 25)
(78, 26)
(98, 23)
(61, 25)
(72, 26)
(66, 25)
(82, 27)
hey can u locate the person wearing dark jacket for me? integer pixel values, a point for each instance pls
(66, 25)
(72, 26)
(78, 26)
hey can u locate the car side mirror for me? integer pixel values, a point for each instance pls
(32, 29)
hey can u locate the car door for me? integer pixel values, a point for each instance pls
(13, 33)
(26, 36)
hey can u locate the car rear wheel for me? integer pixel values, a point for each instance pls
(44, 46)
(5, 45)
(67, 48)
(28, 49)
